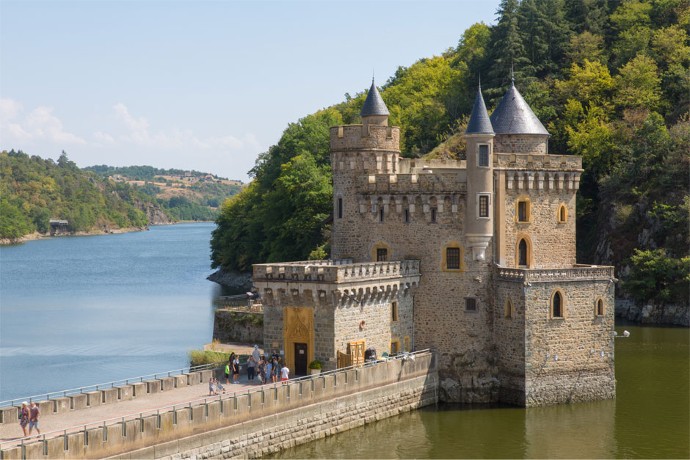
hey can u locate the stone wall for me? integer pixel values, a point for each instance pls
(254, 424)
(521, 143)
(238, 326)
(569, 359)
(672, 315)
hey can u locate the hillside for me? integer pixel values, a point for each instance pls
(33, 191)
(609, 79)
(184, 195)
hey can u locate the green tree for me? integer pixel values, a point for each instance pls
(638, 84)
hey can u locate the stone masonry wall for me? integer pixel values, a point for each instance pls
(552, 242)
(378, 329)
(509, 340)
(516, 143)
(569, 359)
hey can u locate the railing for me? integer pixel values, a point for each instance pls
(190, 404)
(578, 272)
(103, 386)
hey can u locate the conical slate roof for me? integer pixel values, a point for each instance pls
(479, 119)
(514, 116)
(374, 104)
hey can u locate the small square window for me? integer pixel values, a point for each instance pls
(470, 304)
(381, 255)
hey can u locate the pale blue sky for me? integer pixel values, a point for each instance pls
(204, 85)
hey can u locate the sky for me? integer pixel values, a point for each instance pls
(204, 85)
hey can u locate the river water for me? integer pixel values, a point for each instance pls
(88, 310)
(78, 311)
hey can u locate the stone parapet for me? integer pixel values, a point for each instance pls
(334, 271)
(358, 137)
(537, 162)
(575, 273)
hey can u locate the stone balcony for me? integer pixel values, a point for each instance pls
(577, 272)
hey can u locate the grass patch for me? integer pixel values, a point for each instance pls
(201, 357)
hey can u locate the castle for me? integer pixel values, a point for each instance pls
(473, 259)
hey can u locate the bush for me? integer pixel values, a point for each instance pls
(201, 357)
(316, 364)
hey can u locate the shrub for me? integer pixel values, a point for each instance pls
(201, 357)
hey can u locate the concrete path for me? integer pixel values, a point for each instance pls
(54, 424)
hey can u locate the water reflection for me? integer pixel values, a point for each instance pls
(648, 419)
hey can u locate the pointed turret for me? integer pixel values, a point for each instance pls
(479, 153)
(514, 116)
(479, 119)
(374, 110)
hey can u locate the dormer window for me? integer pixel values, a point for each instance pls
(483, 156)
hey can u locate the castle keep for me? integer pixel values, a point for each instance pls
(473, 259)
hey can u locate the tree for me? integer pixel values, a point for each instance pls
(638, 84)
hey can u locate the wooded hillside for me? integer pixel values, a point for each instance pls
(34, 190)
(609, 79)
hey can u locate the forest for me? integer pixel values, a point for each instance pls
(609, 79)
(34, 190)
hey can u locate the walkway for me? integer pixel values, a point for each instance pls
(52, 424)
(55, 424)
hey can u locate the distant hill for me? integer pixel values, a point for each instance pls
(184, 195)
(33, 191)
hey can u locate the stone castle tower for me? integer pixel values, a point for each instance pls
(474, 259)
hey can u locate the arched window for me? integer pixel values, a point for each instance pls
(557, 305)
(508, 309)
(600, 307)
(562, 216)
(522, 253)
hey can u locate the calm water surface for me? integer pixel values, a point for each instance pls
(648, 419)
(87, 310)
(78, 311)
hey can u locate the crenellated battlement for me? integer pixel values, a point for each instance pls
(425, 181)
(534, 162)
(365, 137)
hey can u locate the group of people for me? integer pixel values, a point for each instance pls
(28, 415)
(258, 367)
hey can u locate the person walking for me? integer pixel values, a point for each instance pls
(34, 412)
(24, 416)
(227, 372)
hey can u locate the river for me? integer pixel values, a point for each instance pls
(86, 310)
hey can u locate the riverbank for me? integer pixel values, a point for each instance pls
(41, 236)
